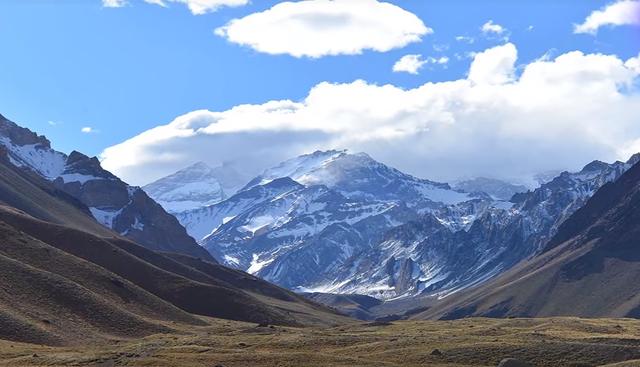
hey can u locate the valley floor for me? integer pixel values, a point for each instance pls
(469, 342)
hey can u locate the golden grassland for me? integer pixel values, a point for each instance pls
(469, 342)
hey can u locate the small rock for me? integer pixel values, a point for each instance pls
(436, 352)
(512, 362)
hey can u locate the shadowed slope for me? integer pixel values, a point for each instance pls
(48, 296)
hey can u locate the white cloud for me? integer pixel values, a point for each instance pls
(409, 64)
(555, 114)
(198, 7)
(491, 27)
(413, 63)
(88, 130)
(114, 3)
(316, 28)
(494, 66)
(624, 12)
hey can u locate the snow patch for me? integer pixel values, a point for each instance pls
(257, 265)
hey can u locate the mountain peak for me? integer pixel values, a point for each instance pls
(195, 186)
(21, 136)
(198, 166)
(634, 159)
(595, 166)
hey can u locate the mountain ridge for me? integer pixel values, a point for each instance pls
(113, 203)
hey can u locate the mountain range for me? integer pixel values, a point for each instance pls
(336, 222)
(336, 227)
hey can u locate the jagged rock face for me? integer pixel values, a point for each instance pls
(21, 136)
(447, 258)
(195, 187)
(588, 269)
(123, 208)
(300, 235)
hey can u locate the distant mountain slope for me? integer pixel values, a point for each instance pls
(114, 204)
(496, 188)
(195, 186)
(590, 268)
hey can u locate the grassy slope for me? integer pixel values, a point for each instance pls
(51, 297)
(471, 342)
(28, 192)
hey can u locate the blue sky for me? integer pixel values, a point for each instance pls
(71, 64)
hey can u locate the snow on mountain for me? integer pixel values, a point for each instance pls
(300, 235)
(204, 221)
(359, 176)
(26, 149)
(189, 188)
(305, 169)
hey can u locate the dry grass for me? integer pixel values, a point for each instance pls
(471, 342)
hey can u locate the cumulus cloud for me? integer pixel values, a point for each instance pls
(413, 63)
(198, 7)
(409, 64)
(87, 130)
(316, 28)
(624, 12)
(554, 114)
(494, 66)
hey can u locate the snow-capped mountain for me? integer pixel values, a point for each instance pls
(300, 223)
(195, 187)
(344, 223)
(356, 177)
(125, 209)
